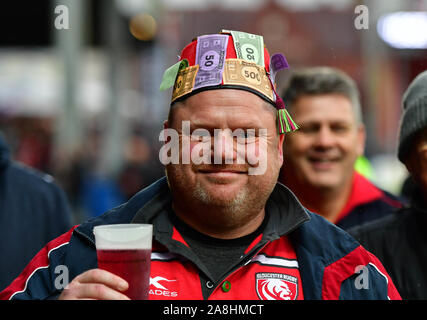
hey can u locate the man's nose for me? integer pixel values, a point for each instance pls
(325, 138)
(224, 147)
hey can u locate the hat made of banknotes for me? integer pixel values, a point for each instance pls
(233, 60)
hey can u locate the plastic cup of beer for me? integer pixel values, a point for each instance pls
(125, 250)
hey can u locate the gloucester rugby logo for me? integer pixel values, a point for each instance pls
(276, 286)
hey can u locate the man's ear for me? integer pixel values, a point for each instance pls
(280, 149)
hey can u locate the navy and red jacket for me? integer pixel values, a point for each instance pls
(329, 261)
(366, 203)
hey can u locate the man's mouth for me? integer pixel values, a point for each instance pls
(323, 163)
(222, 172)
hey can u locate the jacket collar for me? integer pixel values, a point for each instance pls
(285, 212)
(362, 191)
(151, 205)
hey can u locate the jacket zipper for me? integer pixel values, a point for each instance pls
(237, 267)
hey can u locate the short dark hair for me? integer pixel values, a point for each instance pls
(322, 80)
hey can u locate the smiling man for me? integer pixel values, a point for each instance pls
(319, 158)
(224, 199)
(220, 229)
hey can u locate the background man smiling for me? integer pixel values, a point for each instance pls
(320, 156)
(218, 232)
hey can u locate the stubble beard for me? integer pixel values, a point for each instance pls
(230, 208)
(217, 211)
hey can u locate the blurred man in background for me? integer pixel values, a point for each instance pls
(33, 211)
(319, 158)
(400, 240)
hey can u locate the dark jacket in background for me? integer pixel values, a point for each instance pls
(33, 211)
(400, 242)
(366, 203)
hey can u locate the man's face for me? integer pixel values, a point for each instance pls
(227, 187)
(321, 154)
(416, 163)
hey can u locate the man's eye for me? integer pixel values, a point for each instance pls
(200, 138)
(246, 137)
(339, 129)
(242, 135)
(308, 129)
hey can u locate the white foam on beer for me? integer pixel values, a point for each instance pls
(123, 236)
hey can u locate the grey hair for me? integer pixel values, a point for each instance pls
(322, 80)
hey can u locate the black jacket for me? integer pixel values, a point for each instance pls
(400, 242)
(33, 211)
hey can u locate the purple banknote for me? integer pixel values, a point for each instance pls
(210, 56)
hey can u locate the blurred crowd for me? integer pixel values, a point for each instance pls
(90, 191)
